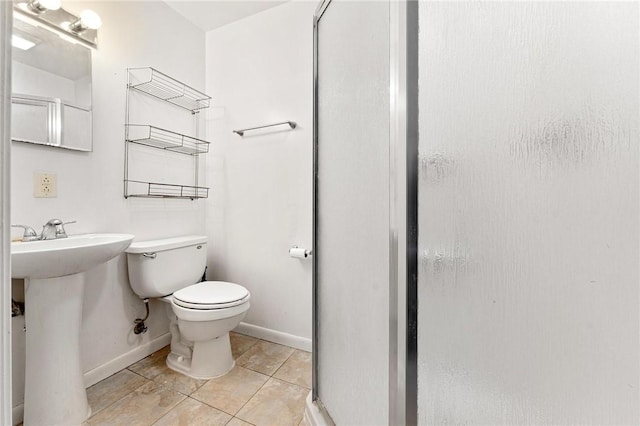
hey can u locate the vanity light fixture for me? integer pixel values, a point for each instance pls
(88, 20)
(48, 14)
(21, 43)
(39, 6)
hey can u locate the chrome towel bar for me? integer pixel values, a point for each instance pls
(291, 124)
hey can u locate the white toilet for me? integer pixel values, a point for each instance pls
(201, 313)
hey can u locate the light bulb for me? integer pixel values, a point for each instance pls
(90, 19)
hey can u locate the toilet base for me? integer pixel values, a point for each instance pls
(209, 359)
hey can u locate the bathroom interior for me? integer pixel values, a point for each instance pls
(393, 211)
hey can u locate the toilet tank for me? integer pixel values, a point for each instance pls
(160, 267)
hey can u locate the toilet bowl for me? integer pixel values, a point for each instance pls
(205, 313)
(201, 314)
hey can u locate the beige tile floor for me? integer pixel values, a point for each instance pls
(268, 386)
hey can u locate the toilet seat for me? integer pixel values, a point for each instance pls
(211, 295)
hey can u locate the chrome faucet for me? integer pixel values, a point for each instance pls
(30, 234)
(51, 230)
(54, 229)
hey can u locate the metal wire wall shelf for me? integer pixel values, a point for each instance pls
(166, 139)
(141, 189)
(161, 86)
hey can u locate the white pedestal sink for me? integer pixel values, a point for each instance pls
(54, 289)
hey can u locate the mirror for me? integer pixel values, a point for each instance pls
(51, 84)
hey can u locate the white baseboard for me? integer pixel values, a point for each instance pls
(92, 377)
(274, 336)
(313, 416)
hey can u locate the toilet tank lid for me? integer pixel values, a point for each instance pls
(165, 244)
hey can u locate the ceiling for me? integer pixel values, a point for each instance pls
(211, 14)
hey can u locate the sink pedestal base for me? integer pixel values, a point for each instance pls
(54, 383)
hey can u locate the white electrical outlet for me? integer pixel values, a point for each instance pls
(45, 185)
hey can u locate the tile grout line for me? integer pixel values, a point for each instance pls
(264, 384)
(244, 421)
(189, 395)
(172, 408)
(209, 405)
(291, 383)
(93, 414)
(118, 400)
(286, 381)
(285, 361)
(250, 398)
(133, 391)
(252, 395)
(271, 343)
(256, 392)
(160, 374)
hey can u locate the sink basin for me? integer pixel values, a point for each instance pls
(54, 284)
(65, 256)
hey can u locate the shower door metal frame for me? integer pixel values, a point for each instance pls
(411, 63)
(314, 308)
(403, 213)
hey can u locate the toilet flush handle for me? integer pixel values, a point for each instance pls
(150, 255)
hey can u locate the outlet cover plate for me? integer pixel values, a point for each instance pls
(45, 185)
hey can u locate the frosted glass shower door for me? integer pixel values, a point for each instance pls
(528, 213)
(352, 211)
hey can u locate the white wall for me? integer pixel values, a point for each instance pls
(90, 184)
(259, 71)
